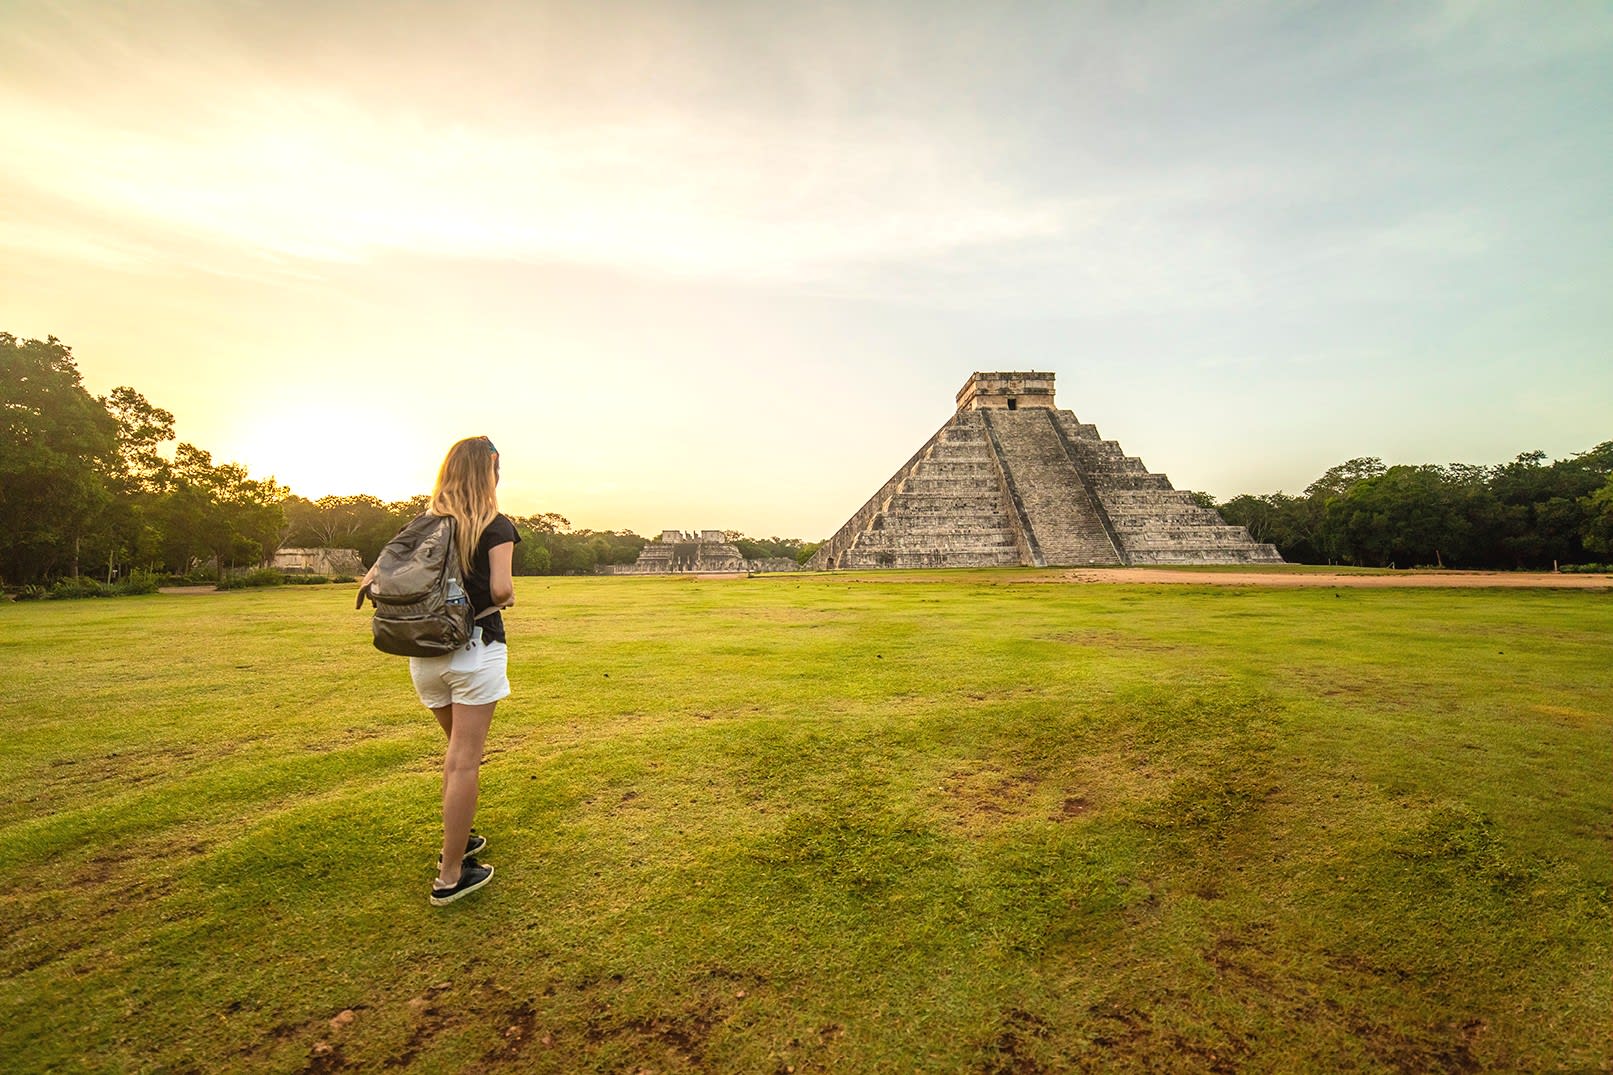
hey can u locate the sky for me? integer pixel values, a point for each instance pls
(714, 265)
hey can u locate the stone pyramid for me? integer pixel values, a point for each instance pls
(1010, 479)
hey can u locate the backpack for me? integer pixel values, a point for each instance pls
(421, 608)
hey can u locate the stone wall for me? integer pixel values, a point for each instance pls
(318, 561)
(679, 553)
(1006, 391)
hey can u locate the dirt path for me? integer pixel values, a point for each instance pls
(1432, 579)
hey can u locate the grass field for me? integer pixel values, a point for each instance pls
(826, 822)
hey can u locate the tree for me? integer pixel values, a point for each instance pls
(1292, 523)
(56, 443)
(750, 550)
(338, 519)
(1338, 480)
(1598, 533)
(1256, 514)
(141, 427)
(218, 512)
(1545, 505)
(136, 476)
(1407, 516)
(536, 562)
(356, 522)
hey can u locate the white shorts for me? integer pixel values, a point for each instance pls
(486, 680)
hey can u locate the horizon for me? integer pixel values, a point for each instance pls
(724, 266)
(655, 532)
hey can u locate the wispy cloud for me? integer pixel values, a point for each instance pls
(313, 175)
(1118, 160)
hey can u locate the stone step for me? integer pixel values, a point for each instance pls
(1063, 519)
(985, 558)
(1247, 554)
(942, 527)
(1143, 520)
(1122, 498)
(906, 538)
(1120, 467)
(1200, 537)
(972, 470)
(932, 502)
(941, 486)
(899, 516)
(1104, 483)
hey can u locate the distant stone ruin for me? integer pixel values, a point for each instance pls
(318, 561)
(703, 552)
(1010, 479)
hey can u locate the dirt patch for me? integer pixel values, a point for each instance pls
(680, 1038)
(1447, 1050)
(990, 793)
(1338, 580)
(990, 796)
(1076, 806)
(1013, 1051)
(1240, 959)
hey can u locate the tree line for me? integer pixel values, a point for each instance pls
(86, 490)
(548, 544)
(1529, 513)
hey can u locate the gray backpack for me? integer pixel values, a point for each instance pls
(421, 608)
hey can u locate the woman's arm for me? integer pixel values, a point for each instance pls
(499, 582)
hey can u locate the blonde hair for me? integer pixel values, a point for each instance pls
(467, 489)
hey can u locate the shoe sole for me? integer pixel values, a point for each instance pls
(442, 901)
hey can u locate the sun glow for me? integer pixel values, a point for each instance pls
(328, 448)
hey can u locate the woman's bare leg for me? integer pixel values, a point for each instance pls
(445, 717)
(461, 772)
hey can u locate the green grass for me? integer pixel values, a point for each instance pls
(954, 822)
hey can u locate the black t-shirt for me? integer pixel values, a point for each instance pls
(478, 583)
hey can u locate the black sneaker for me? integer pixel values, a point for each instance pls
(473, 847)
(472, 875)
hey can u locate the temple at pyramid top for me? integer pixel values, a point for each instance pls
(1011, 479)
(1009, 391)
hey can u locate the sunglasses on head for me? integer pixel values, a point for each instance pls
(490, 445)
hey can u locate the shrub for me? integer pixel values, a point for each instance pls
(305, 580)
(260, 576)
(137, 582)
(73, 588)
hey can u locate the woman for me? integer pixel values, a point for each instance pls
(462, 698)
